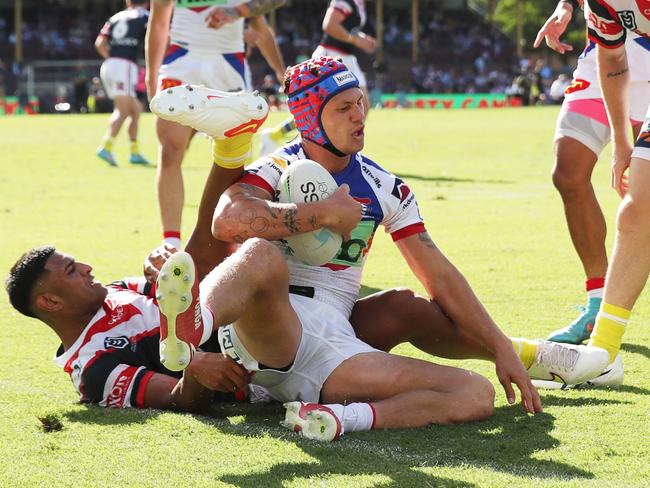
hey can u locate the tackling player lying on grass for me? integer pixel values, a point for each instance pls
(383, 320)
(299, 348)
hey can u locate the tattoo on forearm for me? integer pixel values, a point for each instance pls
(256, 223)
(290, 221)
(261, 7)
(617, 73)
(424, 237)
(313, 222)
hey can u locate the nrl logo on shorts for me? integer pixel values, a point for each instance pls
(627, 19)
(116, 342)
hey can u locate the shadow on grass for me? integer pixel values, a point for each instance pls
(504, 443)
(637, 349)
(92, 414)
(449, 179)
(557, 400)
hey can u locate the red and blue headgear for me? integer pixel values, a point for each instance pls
(309, 86)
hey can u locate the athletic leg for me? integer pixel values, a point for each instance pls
(574, 164)
(121, 110)
(409, 392)
(250, 289)
(169, 177)
(630, 265)
(392, 317)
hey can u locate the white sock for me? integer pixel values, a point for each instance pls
(354, 417)
(596, 293)
(173, 241)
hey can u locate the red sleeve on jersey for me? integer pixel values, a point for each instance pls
(407, 231)
(258, 181)
(142, 388)
(106, 30)
(343, 12)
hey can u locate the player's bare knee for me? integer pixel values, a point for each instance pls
(633, 214)
(475, 400)
(267, 260)
(567, 180)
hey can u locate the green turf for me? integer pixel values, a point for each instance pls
(483, 184)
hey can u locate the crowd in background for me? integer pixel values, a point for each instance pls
(458, 52)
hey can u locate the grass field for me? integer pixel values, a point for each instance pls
(483, 185)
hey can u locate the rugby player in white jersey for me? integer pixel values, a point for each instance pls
(610, 23)
(120, 44)
(582, 132)
(326, 101)
(202, 49)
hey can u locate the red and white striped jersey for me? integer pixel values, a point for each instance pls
(116, 355)
(609, 20)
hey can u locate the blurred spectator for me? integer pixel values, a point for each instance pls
(269, 89)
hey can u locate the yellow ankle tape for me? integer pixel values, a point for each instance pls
(608, 335)
(232, 152)
(616, 311)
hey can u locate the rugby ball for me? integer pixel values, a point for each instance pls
(306, 181)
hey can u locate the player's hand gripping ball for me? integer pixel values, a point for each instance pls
(307, 181)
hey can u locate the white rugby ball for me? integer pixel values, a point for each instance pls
(306, 181)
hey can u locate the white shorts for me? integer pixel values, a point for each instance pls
(119, 77)
(349, 60)
(327, 340)
(585, 120)
(226, 72)
(642, 145)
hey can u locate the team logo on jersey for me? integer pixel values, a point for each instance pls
(627, 17)
(354, 250)
(577, 84)
(116, 342)
(400, 190)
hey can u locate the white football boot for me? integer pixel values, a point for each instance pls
(567, 364)
(217, 113)
(313, 421)
(181, 322)
(612, 376)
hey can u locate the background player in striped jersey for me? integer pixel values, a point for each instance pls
(343, 37)
(201, 54)
(581, 134)
(610, 22)
(120, 44)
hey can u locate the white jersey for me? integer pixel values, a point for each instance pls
(389, 202)
(585, 82)
(189, 30)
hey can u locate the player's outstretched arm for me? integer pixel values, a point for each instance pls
(555, 26)
(220, 16)
(449, 288)
(333, 26)
(206, 373)
(155, 42)
(102, 46)
(268, 46)
(246, 211)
